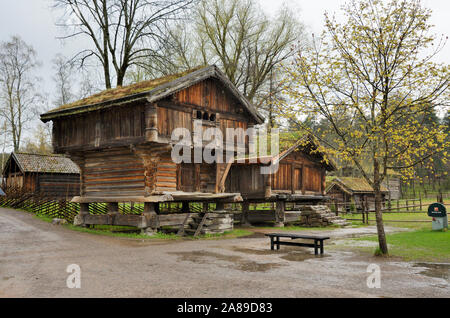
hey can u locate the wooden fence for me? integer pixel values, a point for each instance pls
(399, 206)
(58, 208)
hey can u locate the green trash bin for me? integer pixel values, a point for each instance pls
(438, 213)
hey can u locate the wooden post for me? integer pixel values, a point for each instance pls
(363, 212)
(407, 205)
(184, 207)
(113, 211)
(220, 206)
(280, 217)
(268, 186)
(420, 201)
(151, 123)
(244, 218)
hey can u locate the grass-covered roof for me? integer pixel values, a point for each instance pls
(152, 91)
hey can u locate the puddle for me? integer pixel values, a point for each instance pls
(254, 251)
(235, 262)
(254, 235)
(289, 254)
(435, 270)
(300, 257)
(353, 243)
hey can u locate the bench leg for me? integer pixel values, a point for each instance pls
(316, 248)
(271, 244)
(278, 243)
(321, 247)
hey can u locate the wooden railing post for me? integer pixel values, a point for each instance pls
(244, 217)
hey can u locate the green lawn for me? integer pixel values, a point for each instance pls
(390, 218)
(419, 245)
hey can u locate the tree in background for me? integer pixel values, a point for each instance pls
(19, 97)
(373, 80)
(239, 38)
(63, 78)
(122, 32)
(40, 142)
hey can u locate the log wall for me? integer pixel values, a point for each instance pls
(113, 173)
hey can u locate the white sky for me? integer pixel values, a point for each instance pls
(34, 21)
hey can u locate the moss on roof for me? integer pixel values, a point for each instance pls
(125, 91)
(356, 184)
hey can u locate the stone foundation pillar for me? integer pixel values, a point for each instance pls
(280, 217)
(150, 219)
(84, 211)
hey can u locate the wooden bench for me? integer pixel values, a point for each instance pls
(318, 241)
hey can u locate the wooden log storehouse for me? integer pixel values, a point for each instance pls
(53, 176)
(300, 178)
(356, 191)
(121, 140)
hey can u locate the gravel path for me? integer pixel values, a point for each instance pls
(34, 256)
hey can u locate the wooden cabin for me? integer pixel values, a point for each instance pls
(300, 177)
(357, 191)
(121, 140)
(49, 175)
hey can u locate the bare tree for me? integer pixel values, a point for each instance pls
(122, 32)
(63, 78)
(18, 94)
(246, 43)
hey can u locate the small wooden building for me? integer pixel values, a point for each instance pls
(357, 191)
(121, 140)
(299, 177)
(51, 175)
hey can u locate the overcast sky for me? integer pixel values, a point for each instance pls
(34, 21)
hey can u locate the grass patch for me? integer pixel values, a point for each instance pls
(390, 218)
(419, 245)
(121, 231)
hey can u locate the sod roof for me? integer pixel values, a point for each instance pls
(353, 185)
(151, 91)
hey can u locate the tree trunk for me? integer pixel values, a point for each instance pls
(378, 213)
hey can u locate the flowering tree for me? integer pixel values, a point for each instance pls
(373, 81)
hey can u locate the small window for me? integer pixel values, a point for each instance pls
(212, 117)
(199, 114)
(205, 116)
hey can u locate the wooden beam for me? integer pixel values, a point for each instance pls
(220, 188)
(124, 199)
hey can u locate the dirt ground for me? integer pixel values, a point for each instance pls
(34, 256)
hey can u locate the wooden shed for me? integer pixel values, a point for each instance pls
(299, 177)
(353, 190)
(50, 175)
(121, 140)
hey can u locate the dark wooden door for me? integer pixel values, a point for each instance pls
(187, 178)
(297, 178)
